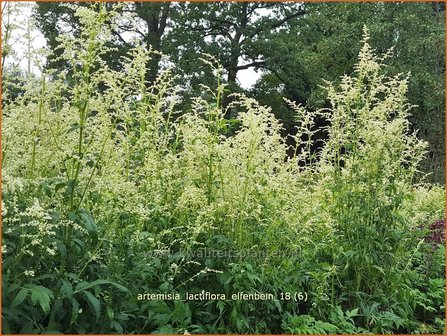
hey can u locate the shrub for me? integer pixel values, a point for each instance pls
(101, 174)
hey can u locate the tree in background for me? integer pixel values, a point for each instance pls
(232, 32)
(141, 23)
(229, 31)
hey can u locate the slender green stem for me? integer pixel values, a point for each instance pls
(37, 129)
(95, 167)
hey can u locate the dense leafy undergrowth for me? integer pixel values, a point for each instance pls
(110, 192)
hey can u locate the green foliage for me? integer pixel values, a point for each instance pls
(110, 192)
(339, 322)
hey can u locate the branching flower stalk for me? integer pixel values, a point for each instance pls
(107, 173)
(37, 128)
(83, 89)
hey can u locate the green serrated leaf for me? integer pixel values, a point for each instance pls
(167, 329)
(43, 296)
(93, 302)
(89, 223)
(181, 312)
(118, 328)
(220, 305)
(352, 313)
(20, 297)
(66, 289)
(74, 312)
